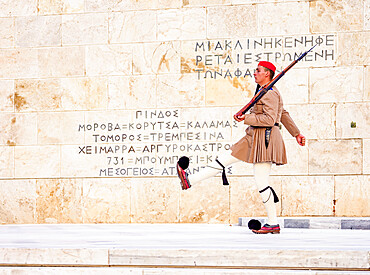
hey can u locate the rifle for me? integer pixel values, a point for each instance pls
(261, 92)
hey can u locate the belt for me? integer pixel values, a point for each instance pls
(276, 124)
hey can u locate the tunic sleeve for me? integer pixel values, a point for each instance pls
(289, 124)
(268, 117)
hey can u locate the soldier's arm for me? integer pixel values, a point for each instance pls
(270, 104)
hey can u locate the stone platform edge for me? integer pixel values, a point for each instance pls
(358, 223)
(187, 258)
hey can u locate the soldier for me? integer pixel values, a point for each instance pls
(262, 146)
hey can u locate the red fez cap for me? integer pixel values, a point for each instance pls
(267, 65)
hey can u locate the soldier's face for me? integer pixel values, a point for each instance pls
(261, 75)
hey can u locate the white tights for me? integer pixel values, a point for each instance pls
(213, 169)
(261, 176)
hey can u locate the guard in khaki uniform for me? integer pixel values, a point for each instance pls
(262, 146)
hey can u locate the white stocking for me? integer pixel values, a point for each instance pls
(213, 168)
(261, 176)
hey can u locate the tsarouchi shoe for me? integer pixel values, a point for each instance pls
(182, 165)
(274, 229)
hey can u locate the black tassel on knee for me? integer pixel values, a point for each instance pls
(224, 178)
(276, 198)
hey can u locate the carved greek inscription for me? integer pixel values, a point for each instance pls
(152, 143)
(238, 58)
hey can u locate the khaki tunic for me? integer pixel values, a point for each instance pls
(267, 111)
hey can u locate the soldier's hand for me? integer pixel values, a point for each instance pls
(301, 140)
(239, 118)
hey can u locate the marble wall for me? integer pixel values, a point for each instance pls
(68, 65)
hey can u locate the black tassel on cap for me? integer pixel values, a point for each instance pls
(224, 178)
(276, 198)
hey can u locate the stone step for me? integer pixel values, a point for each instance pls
(179, 247)
(290, 259)
(163, 271)
(361, 223)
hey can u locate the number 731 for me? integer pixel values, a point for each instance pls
(115, 160)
